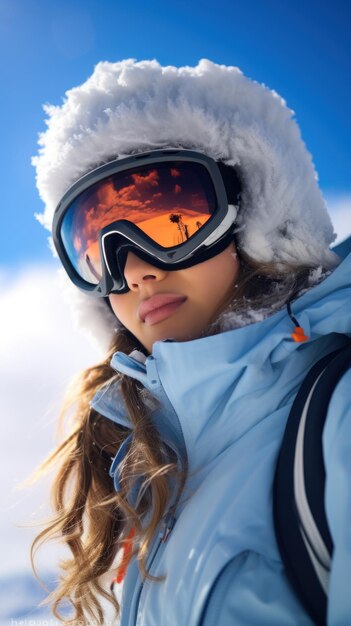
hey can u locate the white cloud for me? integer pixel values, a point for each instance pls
(40, 352)
(339, 206)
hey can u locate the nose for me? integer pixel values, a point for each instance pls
(138, 272)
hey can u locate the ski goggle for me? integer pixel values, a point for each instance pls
(173, 208)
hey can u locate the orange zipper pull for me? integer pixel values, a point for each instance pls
(298, 334)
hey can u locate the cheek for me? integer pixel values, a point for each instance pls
(221, 272)
(122, 309)
(223, 275)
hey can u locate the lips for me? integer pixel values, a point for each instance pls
(157, 302)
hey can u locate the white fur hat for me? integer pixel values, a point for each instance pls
(129, 107)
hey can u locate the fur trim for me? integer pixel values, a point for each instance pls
(130, 107)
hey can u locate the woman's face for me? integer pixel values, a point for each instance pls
(197, 294)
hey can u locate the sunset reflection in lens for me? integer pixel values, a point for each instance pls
(169, 202)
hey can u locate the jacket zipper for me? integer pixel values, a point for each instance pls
(168, 524)
(133, 621)
(168, 520)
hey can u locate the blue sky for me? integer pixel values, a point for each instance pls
(299, 48)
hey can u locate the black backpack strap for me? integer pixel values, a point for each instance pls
(300, 521)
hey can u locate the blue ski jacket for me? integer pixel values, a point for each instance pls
(224, 401)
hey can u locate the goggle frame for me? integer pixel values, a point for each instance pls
(126, 236)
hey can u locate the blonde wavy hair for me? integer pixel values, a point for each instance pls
(90, 517)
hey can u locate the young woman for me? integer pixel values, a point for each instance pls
(185, 210)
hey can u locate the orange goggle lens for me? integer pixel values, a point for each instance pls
(168, 201)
